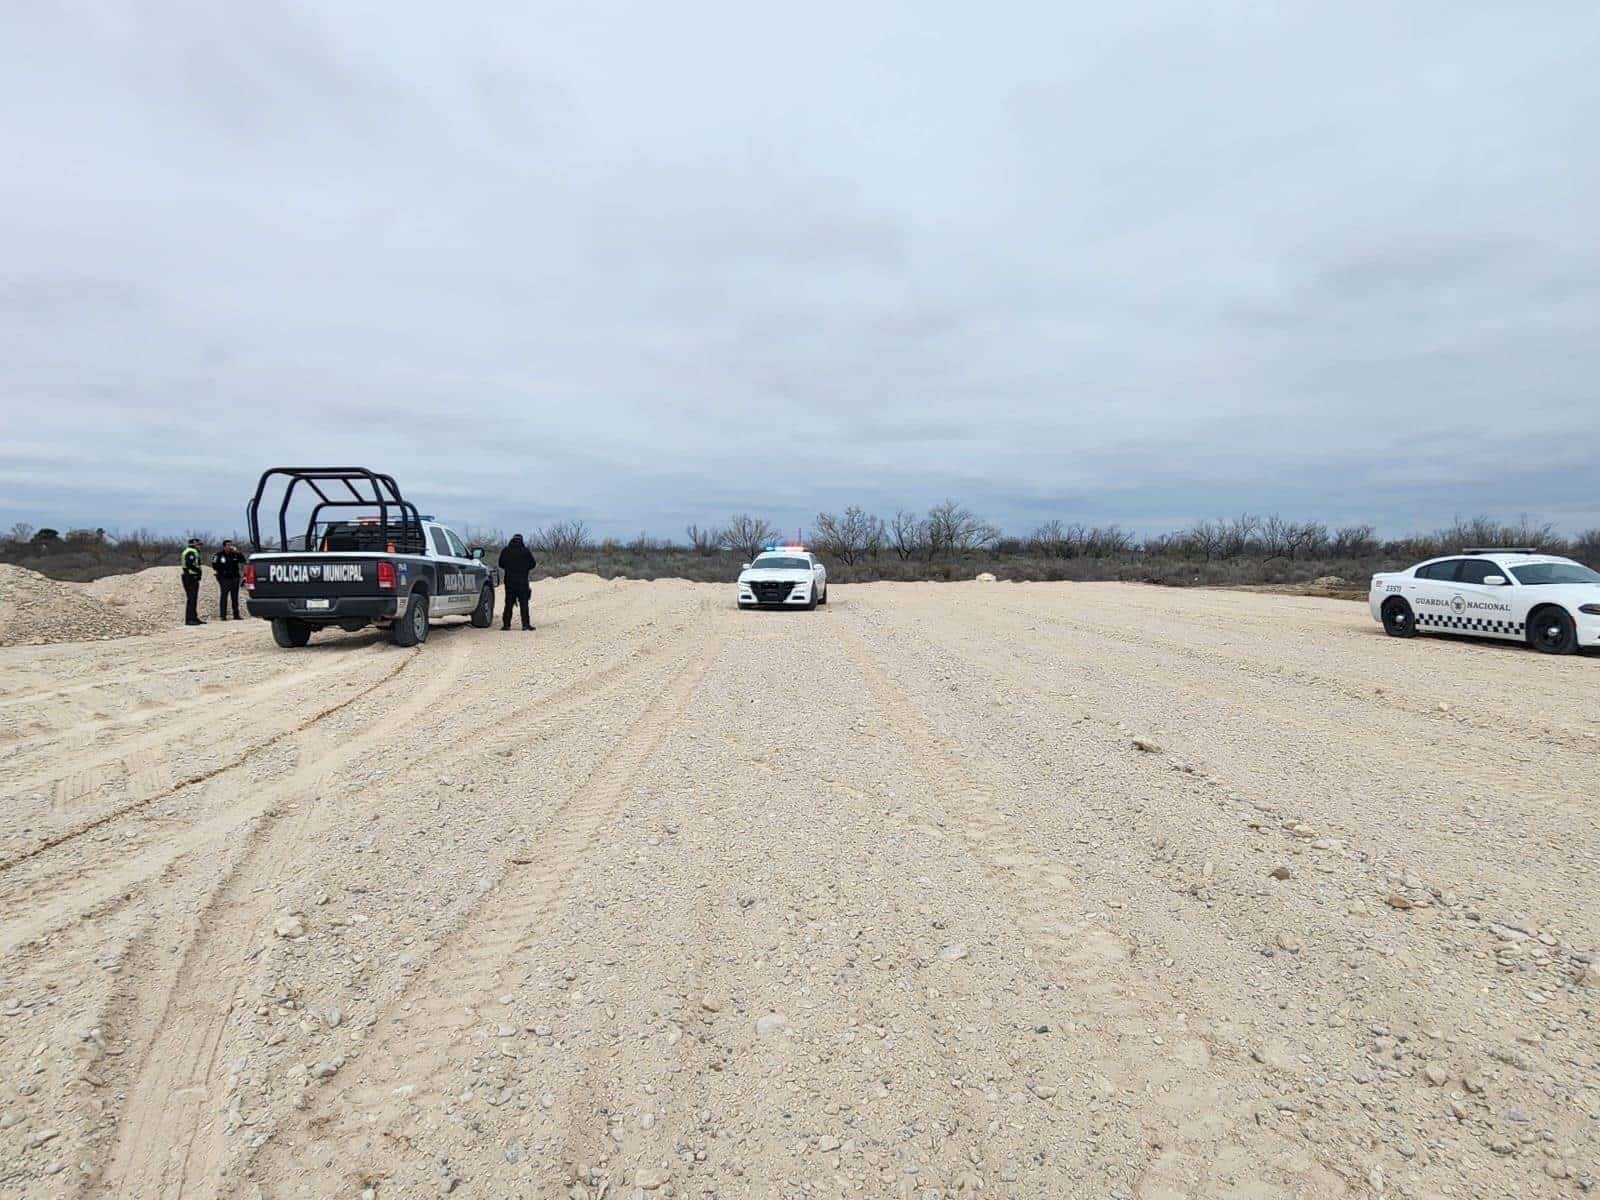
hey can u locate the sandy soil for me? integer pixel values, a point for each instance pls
(883, 900)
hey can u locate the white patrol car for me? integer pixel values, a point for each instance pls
(1551, 603)
(783, 577)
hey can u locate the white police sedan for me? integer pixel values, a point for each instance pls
(1551, 603)
(783, 577)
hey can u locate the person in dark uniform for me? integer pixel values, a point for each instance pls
(191, 572)
(516, 561)
(228, 565)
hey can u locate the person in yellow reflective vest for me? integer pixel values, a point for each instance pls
(192, 574)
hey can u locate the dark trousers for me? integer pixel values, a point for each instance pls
(519, 596)
(191, 597)
(228, 589)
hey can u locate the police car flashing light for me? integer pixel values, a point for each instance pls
(1549, 602)
(783, 577)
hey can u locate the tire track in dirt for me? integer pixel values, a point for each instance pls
(160, 738)
(403, 1059)
(170, 1137)
(1440, 740)
(47, 903)
(1094, 963)
(1144, 641)
(68, 835)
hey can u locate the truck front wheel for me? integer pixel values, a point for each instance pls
(289, 633)
(412, 627)
(483, 615)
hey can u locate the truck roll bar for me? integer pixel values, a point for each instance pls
(367, 489)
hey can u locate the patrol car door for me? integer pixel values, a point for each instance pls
(1485, 609)
(468, 570)
(450, 577)
(1435, 595)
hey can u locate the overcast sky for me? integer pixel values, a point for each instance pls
(652, 263)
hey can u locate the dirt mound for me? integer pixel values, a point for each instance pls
(153, 595)
(35, 609)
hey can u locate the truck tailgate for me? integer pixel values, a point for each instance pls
(315, 575)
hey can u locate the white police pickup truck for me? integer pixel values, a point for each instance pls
(783, 577)
(398, 570)
(1549, 602)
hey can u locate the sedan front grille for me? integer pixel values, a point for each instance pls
(771, 591)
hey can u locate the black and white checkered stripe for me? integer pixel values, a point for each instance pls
(1470, 624)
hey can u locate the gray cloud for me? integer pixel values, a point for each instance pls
(648, 265)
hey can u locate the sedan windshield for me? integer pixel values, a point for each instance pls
(780, 564)
(1555, 572)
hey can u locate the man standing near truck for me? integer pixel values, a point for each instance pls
(516, 561)
(228, 564)
(191, 574)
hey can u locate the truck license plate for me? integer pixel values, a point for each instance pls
(318, 603)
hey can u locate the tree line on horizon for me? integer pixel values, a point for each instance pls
(947, 532)
(948, 541)
(951, 531)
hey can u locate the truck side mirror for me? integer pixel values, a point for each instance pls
(477, 553)
(744, 566)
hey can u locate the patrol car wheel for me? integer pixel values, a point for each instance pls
(811, 600)
(483, 615)
(1552, 632)
(412, 627)
(289, 633)
(823, 599)
(1398, 619)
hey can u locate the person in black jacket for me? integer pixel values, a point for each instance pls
(516, 561)
(228, 564)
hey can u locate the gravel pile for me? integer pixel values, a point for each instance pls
(35, 609)
(153, 595)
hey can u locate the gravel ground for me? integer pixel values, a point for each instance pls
(947, 890)
(36, 610)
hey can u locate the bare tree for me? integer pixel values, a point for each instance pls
(1586, 547)
(562, 539)
(854, 536)
(1353, 541)
(1206, 538)
(747, 534)
(704, 541)
(1273, 538)
(908, 534)
(955, 530)
(21, 533)
(1525, 533)
(1239, 536)
(1050, 539)
(492, 540)
(1101, 541)
(1306, 538)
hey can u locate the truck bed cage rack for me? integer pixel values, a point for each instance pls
(1500, 550)
(364, 489)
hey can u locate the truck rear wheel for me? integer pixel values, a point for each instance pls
(412, 627)
(289, 633)
(483, 615)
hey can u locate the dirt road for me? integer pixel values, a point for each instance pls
(884, 900)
